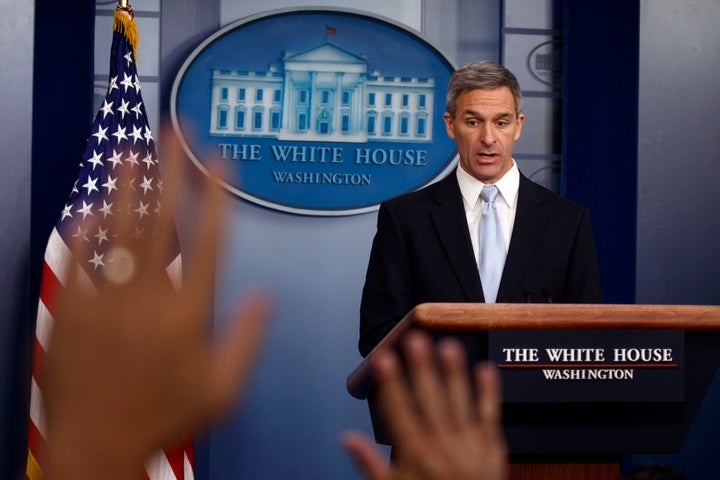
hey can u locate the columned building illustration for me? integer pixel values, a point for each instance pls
(322, 94)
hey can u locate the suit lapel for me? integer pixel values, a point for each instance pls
(448, 214)
(530, 222)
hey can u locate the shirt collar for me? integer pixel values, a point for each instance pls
(470, 187)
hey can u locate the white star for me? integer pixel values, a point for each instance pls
(158, 208)
(148, 160)
(101, 235)
(81, 234)
(148, 135)
(91, 185)
(113, 84)
(85, 210)
(100, 134)
(128, 58)
(138, 233)
(146, 184)
(136, 109)
(120, 134)
(123, 108)
(136, 134)
(132, 158)
(115, 159)
(66, 212)
(127, 82)
(97, 260)
(74, 188)
(106, 109)
(106, 209)
(160, 185)
(142, 210)
(111, 184)
(137, 84)
(95, 160)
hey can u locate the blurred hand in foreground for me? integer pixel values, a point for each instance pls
(440, 428)
(131, 366)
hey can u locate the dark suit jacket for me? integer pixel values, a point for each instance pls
(422, 253)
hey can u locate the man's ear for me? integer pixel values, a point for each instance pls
(448, 119)
(520, 121)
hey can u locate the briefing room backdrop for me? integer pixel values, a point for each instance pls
(629, 118)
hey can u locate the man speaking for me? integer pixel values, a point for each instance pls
(485, 233)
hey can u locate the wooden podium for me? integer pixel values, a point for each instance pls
(557, 441)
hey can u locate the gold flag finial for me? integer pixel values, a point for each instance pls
(124, 6)
(123, 23)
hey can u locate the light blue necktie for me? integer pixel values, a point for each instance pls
(492, 245)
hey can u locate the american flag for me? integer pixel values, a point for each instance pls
(120, 138)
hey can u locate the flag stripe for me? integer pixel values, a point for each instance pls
(188, 462)
(158, 467)
(57, 256)
(38, 357)
(43, 326)
(176, 457)
(37, 415)
(174, 271)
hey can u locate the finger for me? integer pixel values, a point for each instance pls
(234, 357)
(488, 399)
(457, 381)
(395, 399)
(366, 456)
(202, 255)
(427, 387)
(168, 198)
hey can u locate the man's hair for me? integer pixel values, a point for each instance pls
(487, 75)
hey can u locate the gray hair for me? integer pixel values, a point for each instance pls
(487, 75)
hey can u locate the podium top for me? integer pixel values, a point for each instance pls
(480, 317)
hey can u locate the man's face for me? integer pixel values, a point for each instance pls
(485, 128)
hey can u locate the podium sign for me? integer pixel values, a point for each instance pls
(590, 365)
(580, 414)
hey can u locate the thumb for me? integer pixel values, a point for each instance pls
(366, 456)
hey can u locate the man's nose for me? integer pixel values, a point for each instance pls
(487, 135)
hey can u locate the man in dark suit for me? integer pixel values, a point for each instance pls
(428, 245)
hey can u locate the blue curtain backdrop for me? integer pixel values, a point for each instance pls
(600, 127)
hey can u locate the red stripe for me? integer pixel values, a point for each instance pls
(49, 286)
(36, 442)
(175, 457)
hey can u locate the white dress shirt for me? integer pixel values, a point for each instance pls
(506, 203)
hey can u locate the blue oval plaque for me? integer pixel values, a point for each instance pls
(317, 112)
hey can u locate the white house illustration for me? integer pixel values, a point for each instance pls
(322, 94)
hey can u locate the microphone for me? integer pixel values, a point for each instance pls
(527, 295)
(547, 295)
